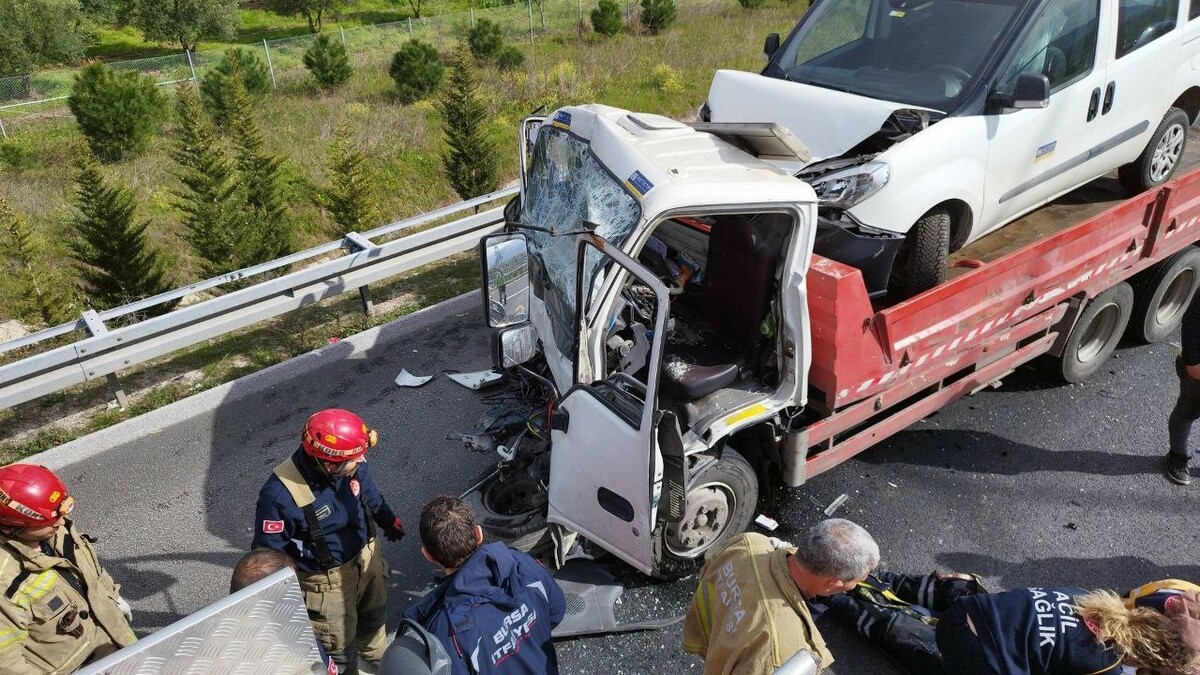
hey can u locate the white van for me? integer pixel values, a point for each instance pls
(934, 122)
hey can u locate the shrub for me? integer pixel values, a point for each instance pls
(328, 62)
(417, 70)
(117, 111)
(16, 155)
(658, 15)
(470, 158)
(215, 83)
(752, 4)
(510, 58)
(486, 40)
(606, 18)
(666, 79)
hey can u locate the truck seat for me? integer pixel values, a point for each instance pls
(734, 300)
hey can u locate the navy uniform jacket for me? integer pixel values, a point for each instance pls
(1036, 631)
(280, 524)
(494, 614)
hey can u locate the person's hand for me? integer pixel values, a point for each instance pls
(126, 610)
(395, 531)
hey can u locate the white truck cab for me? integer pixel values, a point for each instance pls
(665, 286)
(934, 122)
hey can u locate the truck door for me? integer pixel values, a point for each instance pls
(1037, 153)
(604, 463)
(1143, 55)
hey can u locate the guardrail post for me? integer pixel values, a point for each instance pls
(355, 242)
(269, 66)
(96, 327)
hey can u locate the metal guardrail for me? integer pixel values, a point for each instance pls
(107, 351)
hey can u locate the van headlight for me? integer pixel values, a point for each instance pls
(847, 187)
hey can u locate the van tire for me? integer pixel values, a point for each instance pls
(1096, 333)
(727, 486)
(924, 254)
(1161, 295)
(1161, 156)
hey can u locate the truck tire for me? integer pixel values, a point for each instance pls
(1161, 156)
(510, 510)
(721, 498)
(1096, 333)
(1161, 295)
(923, 256)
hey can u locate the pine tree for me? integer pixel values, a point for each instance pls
(328, 62)
(417, 71)
(606, 18)
(471, 156)
(47, 294)
(117, 111)
(115, 262)
(350, 197)
(209, 197)
(267, 224)
(658, 15)
(214, 85)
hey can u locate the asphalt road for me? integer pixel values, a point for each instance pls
(1029, 484)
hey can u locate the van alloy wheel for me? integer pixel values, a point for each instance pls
(1167, 153)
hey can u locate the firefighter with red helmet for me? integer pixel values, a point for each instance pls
(321, 508)
(58, 608)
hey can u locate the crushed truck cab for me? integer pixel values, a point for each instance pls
(659, 279)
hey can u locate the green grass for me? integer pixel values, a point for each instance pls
(667, 74)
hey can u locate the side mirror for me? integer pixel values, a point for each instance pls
(1032, 90)
(771, 45)
(514, 346)
(505, 285)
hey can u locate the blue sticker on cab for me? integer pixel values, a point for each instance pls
(639, 184)
(562, 119)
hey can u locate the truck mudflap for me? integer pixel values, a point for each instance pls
(871, 254)
(262, 629)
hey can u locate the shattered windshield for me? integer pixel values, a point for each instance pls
(567, 190)
(921, 52)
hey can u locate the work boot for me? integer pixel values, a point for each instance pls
(1177, 469)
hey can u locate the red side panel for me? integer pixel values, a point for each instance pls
(858, 352)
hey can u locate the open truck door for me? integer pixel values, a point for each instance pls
(602, 479)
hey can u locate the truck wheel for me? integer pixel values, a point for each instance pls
(512, 510)
(1161, 156)
(923, 256)
(1161, 295)
(1096, 333)
(720, 504)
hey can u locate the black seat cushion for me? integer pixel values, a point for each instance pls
(689, 382)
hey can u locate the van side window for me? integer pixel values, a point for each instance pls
(1193, 9)
(1061, 44)
(1140, 22)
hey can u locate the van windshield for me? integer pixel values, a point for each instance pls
(920, 52)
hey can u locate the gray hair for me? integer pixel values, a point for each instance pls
(839, 549)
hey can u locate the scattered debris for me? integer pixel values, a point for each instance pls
(836, 504)
(767, 522)
(474, 442)
(1071, 526)
(407, 379)
(478, 379)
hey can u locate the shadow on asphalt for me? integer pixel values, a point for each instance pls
(988, 453)
(1060, 571)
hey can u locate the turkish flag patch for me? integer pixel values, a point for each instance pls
(272, 526)
(354, 488)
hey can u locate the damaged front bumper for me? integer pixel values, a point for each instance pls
(872, 252)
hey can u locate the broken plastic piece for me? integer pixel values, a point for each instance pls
(837, 503)
(478, 379)
(475, 442)
(767, 522)
(407, 379)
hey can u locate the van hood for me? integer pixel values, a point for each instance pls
(829, 122)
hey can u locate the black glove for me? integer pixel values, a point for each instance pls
(395, 531)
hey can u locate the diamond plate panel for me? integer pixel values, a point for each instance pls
(260, 630)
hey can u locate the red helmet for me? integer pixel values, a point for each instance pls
(337, 435)
(32, 496)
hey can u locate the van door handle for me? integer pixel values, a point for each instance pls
(1094, 104)
(1110, 92)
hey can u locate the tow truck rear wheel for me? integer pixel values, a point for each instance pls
(1161, 295)
(1096, 333)
(720, 503)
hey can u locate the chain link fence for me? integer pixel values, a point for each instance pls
(45, 93)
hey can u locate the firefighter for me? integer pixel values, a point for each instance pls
(59, 609)
(321, 508)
